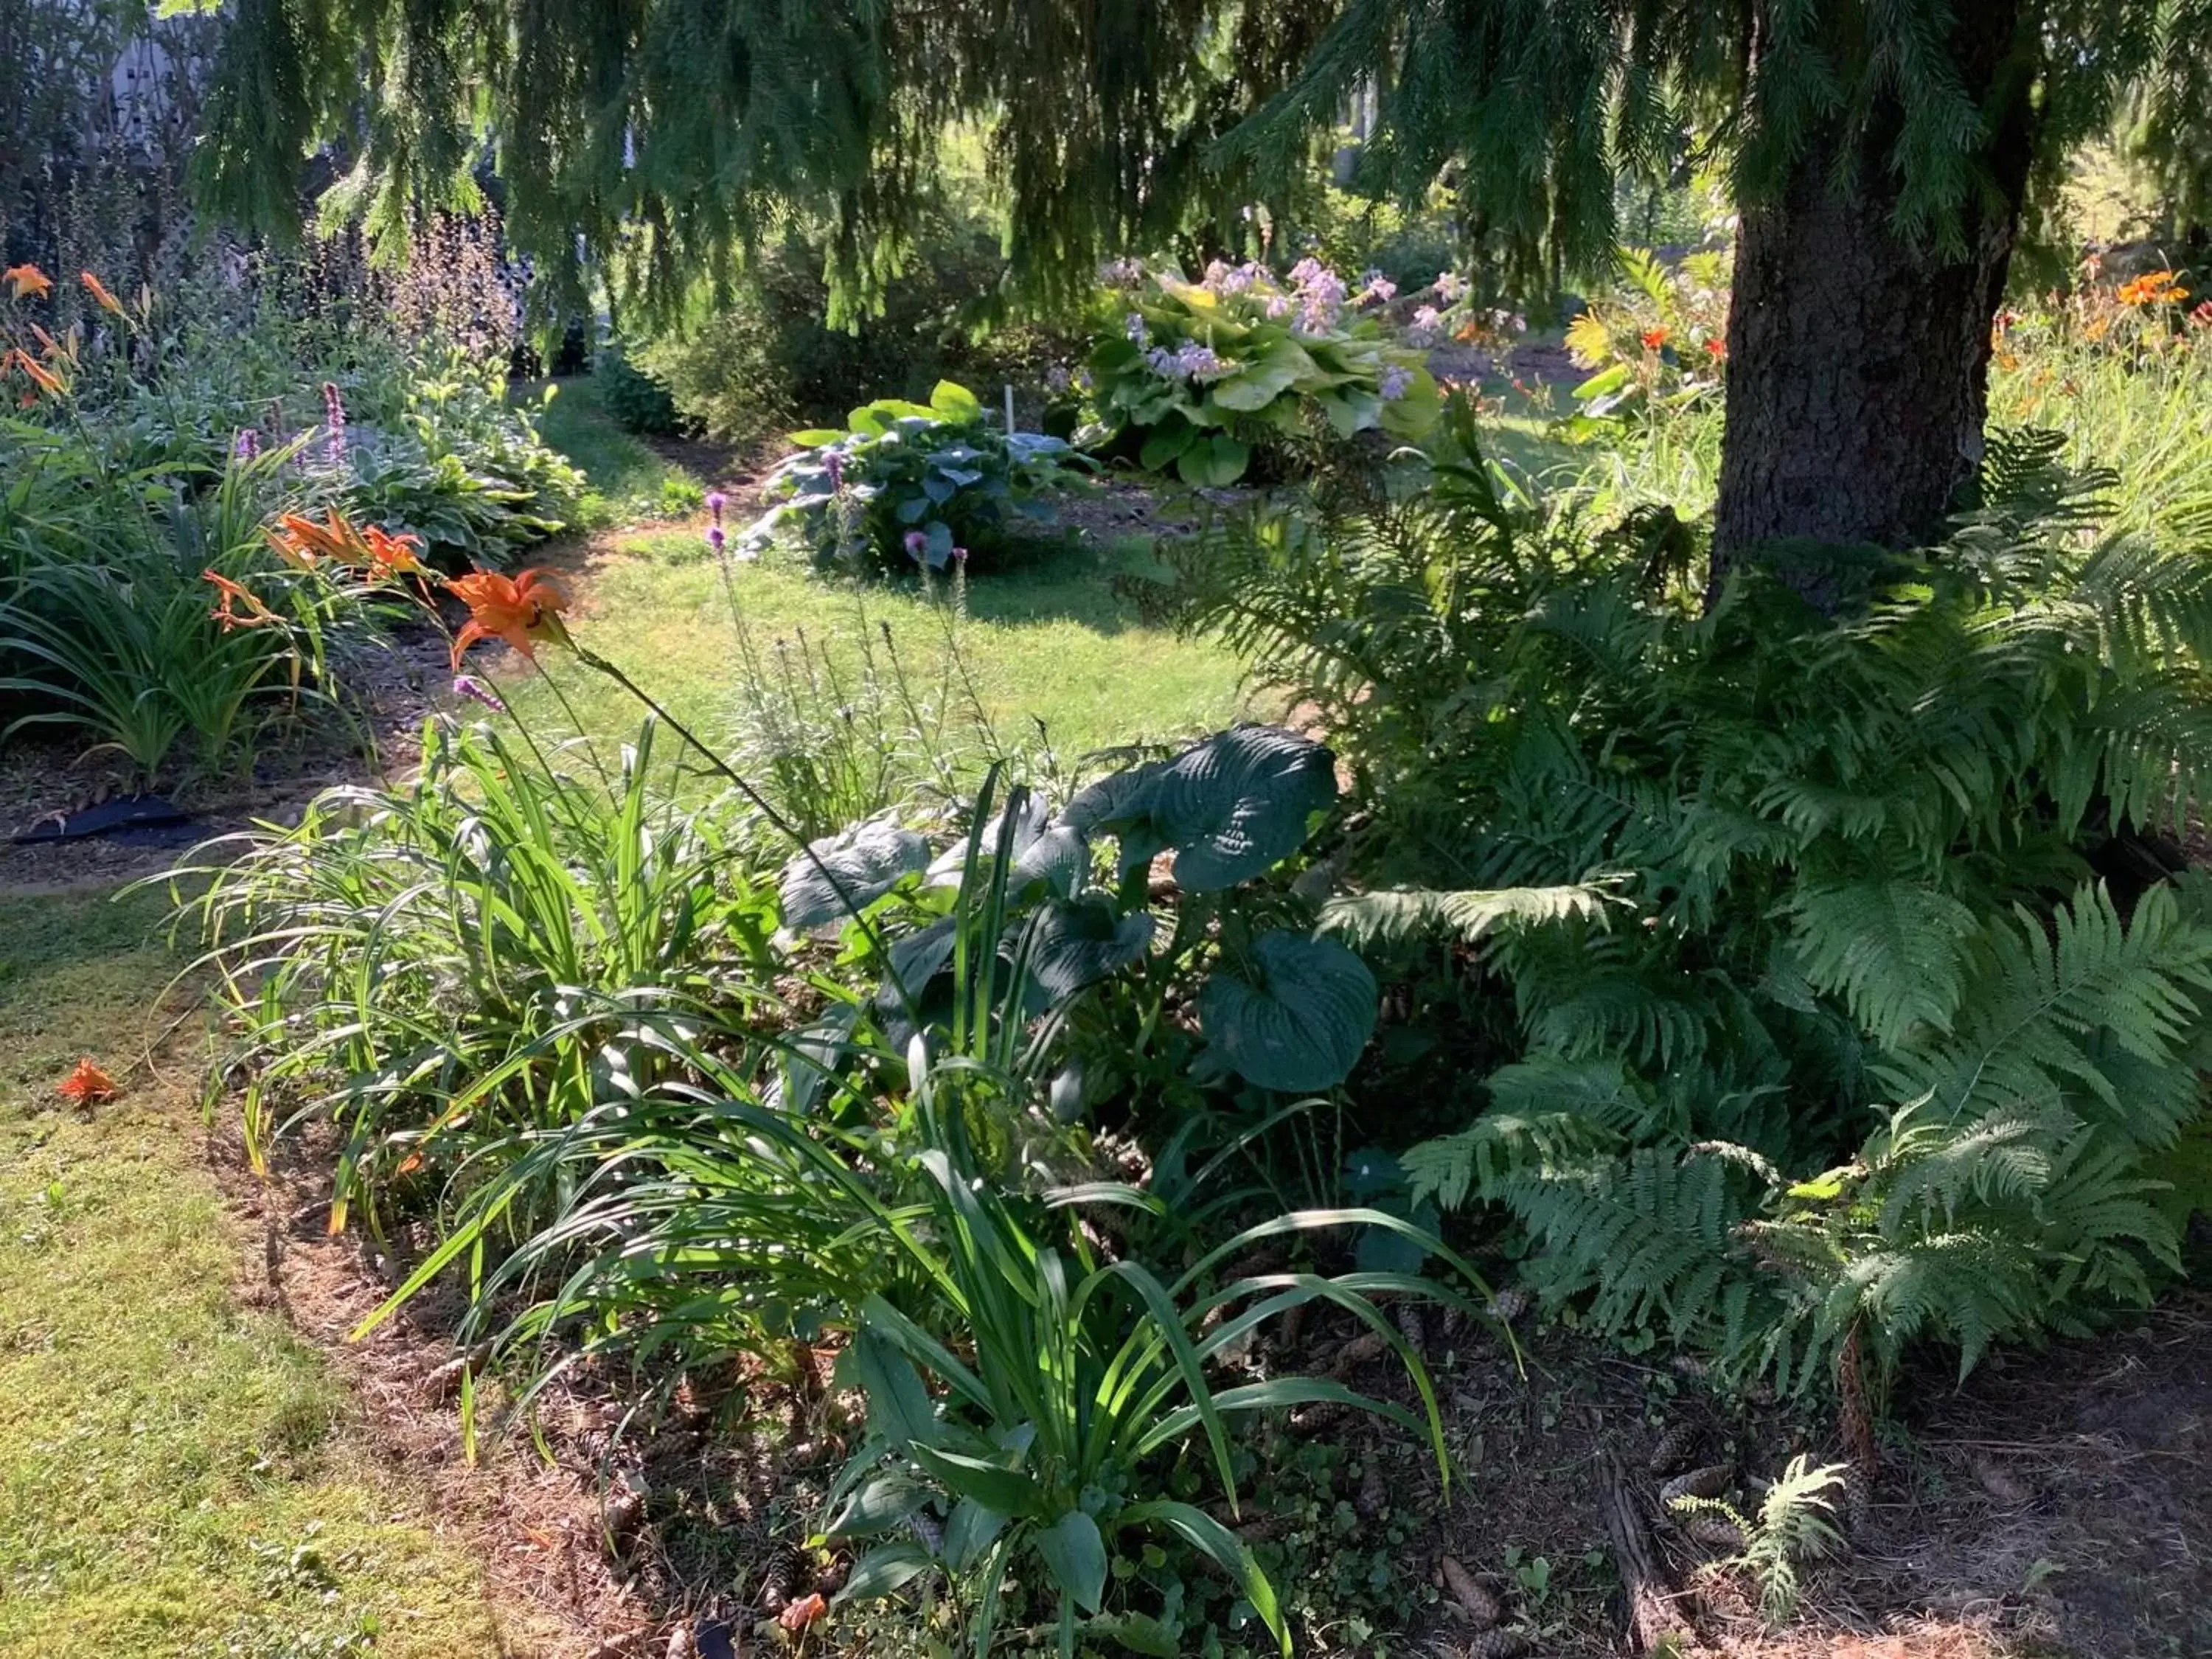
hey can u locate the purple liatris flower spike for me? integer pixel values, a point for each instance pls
(716, 500)
(834, 465)
(246, 445)
(469, 686)
(917, 544)
(334, 420)
(717, 537)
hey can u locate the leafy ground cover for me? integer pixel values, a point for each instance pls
(179, 1473)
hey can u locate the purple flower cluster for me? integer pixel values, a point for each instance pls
(1123, 273)
(1395, 380)
(1427, 320)
(334, 422)
(1376, 288)
(1450, 286)
(1189, 362)
(1226, 279)
(246, 445)
(469, 686)
(717, 537)
(1321, 294)
(1133, 326)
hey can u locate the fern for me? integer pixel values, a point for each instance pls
(1394, 916)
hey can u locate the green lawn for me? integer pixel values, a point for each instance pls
(630, 480)
(179, 1474)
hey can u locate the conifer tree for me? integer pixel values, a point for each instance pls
(1887, 153)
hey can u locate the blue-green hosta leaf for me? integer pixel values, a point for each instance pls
(1075, 943)
(1075, 1552)
(865, 861)
(1299, 1023)
(1236, 805)
(1112, 803)
(916, 958)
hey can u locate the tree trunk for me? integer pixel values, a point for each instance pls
(1858, 359)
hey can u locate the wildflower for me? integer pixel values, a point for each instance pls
(1278, 305)
(1376, 288)
(26, 279)
(716, 500)
(1395, 380)
(246, 445)
(1653, 338)
(469, 686)
(804, 1612)
(834, 464)
(520, 609)
(98, 289)
(717, 538)
(256, 615)
(1448, 286)
(1428, 319)
(1133, 326)
(87, 1084)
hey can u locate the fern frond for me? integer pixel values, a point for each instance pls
(1895, 951)
(1392, 917)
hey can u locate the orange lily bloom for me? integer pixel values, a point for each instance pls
(26, 279)
(87, 1085)
(98, 289)
(31, 366)
(520, 610)
(299, 541)
(1653, 338)
(257, 614)
(390, 554)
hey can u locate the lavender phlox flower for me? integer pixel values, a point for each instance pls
(1133, 326)
(1056, 380)
(1395, 380)
(469, 686)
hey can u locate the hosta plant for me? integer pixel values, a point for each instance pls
(1202, 370)
(907, 484)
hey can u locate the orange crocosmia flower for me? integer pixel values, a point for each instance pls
(520, 610)
(257, 614)
(98, 289)
(1653, 338)
(87, 1084)
(804, 1612)
(26, 279)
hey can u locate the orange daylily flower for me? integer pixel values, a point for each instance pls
(390, 554)
(804, 1612)
(257, 614)
(520, 610)
(2152, 287)
(26, 279)
(1653, 338)
(98, 289)
(301, 542)
(87, 1085)
(31, 366)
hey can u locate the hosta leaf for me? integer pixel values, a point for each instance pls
(1073, 944)
(865, 862)
(1213, 461)
(1297, 1019)
(953, 402)
(1237, 803)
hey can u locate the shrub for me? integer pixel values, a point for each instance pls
(1202, 369)
(1731, 884)
(634, 398)
(912, 482)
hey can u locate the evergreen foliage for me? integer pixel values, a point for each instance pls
(1830, 974)
(676, 133)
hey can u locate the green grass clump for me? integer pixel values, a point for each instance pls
(176, 1473)
(1050, 642)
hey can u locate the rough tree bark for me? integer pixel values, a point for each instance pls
(1858, 360)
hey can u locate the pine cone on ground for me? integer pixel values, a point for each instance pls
(1498, 1645)
(1374, 1495)
(1509, 1304)
(1676, 1447)
(1472, 1595)
(1710, 1481)
(1716, 1532)
(1413, 1326)
(779, 1578)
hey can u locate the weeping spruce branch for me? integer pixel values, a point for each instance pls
(1886, 156)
